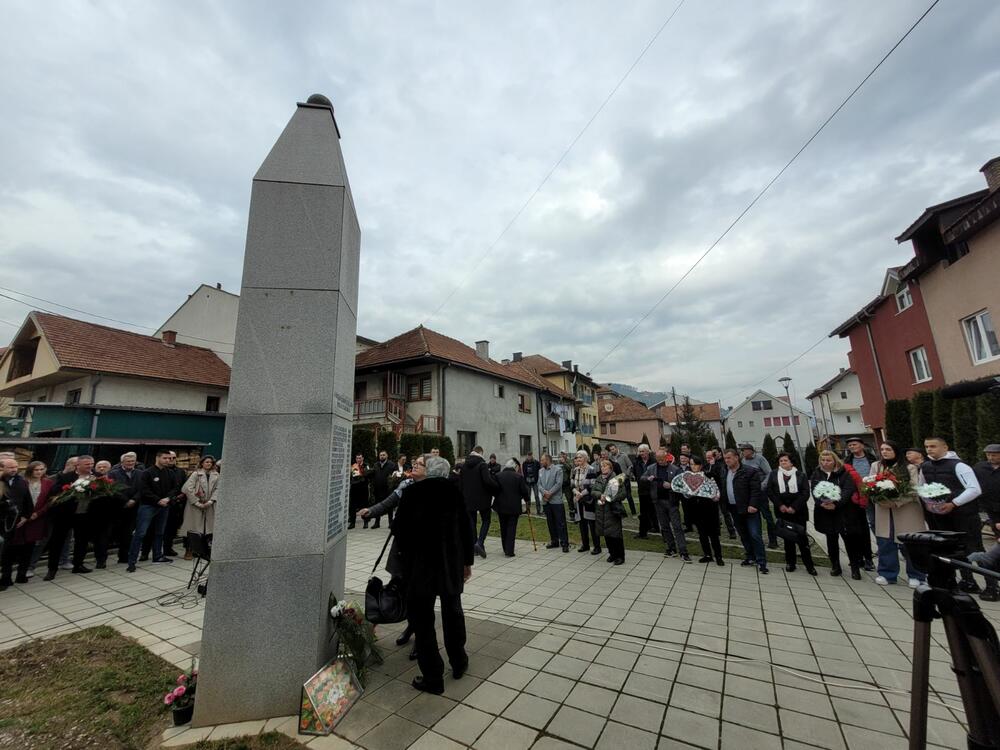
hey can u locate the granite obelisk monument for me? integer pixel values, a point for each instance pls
(280, 534)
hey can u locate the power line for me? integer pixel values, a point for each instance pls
(766, 187)
(780, 369)
(559, 161)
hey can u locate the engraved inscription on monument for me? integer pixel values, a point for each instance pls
(335, 517)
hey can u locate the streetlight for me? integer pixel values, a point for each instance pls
(785, 381)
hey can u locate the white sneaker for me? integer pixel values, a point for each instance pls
(30, 574)
(66, 566)
(913, 583)
(881, 580)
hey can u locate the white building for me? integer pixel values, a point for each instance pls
(836, 406)
(208, 319)
(763, 414)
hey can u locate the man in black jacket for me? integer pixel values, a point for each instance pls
(157, 487)
(512, 492)
(69, 517)
(435, 547)
(126, 474)
(530, 469)
(740, 489)
(16, 506)
(380, 474)
(478, 484)
(659, 477)
(716, 468)
(647, 513)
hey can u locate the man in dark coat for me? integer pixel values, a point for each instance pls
(647, 513)
(530, 469)
(513, 491)
(381, 473)
(126, 474)
(17, 507)
(478, 485)
(69, 517)
(158, 486)
(435, 545)
(716, 468)
(741, 489)
(658, 477)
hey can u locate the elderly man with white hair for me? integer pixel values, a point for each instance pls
(436, 550)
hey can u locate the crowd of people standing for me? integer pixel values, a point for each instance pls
(147, 510)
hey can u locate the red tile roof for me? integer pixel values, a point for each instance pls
(423, 342)
(541, 383)
(704, 412)
(542, 365)
(624, 410)
(88, 346)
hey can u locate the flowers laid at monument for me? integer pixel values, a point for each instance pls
(886, 488)
(356, 637)
(826, 492)
(934, 496)
(181, 697)
(86, 489)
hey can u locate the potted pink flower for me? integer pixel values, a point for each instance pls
(180, 699)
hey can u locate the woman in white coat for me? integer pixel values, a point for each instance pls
(200, 491)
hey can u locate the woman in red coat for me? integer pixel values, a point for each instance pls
(30, 530)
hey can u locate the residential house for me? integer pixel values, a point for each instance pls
(626, 419)
(73, 380)
(837, 409)
(893, 352)
(424, 382)
(763, 414)
(956, 266)
(568, 378)
(709, 414)
(207, 318)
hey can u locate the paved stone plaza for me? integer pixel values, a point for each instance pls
(567, 651)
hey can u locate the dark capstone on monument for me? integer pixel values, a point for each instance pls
(280, 544)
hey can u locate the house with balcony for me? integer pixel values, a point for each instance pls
(568, 378)
(422, 381)
(836, 407)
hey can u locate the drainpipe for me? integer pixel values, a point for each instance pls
(444, 368)
(95, 381)
(539, 422)
(878, 368)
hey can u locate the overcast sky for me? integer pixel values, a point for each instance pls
(130, 134)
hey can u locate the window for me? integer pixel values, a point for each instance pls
(498, 390)
(904, 300)
(955, 251)
(981, 337)
(604, 429)
(418, 388)
(360, 391)
(613, 427)
(503, 440)
(22, 359)
(525, 441)
(843, 395)
(212, 403)
(761, 405)
(796, 420)
(919, 365)
(767, 421)
(848, 419)
(786, 422)
(524, 403)
(466, 442)
(73, 396)
(739, 423)
(751, 423)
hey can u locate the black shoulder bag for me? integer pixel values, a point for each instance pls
(384, 603)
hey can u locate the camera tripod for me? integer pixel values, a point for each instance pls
(972, 640)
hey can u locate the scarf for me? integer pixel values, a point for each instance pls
(788, 479)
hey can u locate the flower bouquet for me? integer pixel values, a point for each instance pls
(87, 489)
(181, 698)
(886, 488)
(826, 492)
(934, 496)
(356, 637)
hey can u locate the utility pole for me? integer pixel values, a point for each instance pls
(785, 381)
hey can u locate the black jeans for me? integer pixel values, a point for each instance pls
(727, 516)
(628, 496)
(420, 617)
(555, 515)
(689, 504)
(854, 543)
(100, 532)
(647, 516)
(79, 524)
(671, 527)
(15, 554)
(485, 515)
(707, 520)
(616, 547)
(508, 531)
(122, 530)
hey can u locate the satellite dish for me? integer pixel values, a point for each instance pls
(609, 407)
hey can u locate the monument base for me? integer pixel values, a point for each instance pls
(263, 649)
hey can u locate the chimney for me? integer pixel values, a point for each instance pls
(516, 356)
(991, 171)
(505, 361)
(567, 364)
(218, 285)
(169, 338)
(483, 349)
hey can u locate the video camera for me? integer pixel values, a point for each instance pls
(972, 640)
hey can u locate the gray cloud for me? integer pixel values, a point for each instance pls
(129, 141)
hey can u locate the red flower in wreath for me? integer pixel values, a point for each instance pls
(65, 487)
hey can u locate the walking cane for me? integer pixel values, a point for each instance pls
(530, 527)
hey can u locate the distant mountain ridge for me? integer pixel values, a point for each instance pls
(646, 397)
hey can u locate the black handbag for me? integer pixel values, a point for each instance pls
(385, 603)
(789, 530)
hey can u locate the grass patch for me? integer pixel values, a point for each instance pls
(731, 548)
(94, 690)
(91, 689)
